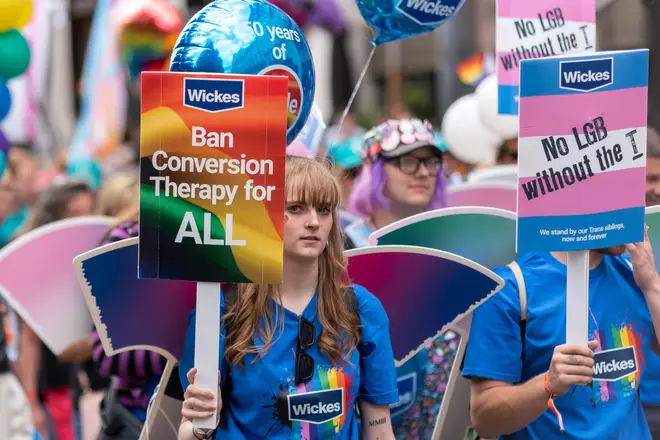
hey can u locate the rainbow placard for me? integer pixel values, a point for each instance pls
(212, 177)
(582, 151)
(528, 29)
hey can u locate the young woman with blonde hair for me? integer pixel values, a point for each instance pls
(299, 358)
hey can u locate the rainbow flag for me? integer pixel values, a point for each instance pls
(472, 71)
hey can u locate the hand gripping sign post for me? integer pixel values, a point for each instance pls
(212, 157)
(530, 29)
(582, 163)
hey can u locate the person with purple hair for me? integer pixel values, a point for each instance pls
(402, 175)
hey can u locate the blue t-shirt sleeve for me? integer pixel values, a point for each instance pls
(377, 368)
(494, 347)
(187, 360)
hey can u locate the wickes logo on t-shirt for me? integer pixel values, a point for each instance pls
(316, 407)
(615, 364)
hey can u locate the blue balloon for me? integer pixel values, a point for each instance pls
(398, 19)
(5, 100)
(250, 37)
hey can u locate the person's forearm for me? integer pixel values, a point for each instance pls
(652, 296)
(186, 430)
(505, 410)
(29, 360)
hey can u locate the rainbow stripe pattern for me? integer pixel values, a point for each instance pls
(618, 337)
(531, 29)
(600, 125)
(258, 130)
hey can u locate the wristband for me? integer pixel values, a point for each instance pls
(551, 400)
(32, 395)
(201, 435)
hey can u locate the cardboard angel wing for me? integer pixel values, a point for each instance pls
(424, 291)
(501, 195)
(38, 282)
(486, 236)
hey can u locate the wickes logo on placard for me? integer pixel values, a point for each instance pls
(615, 364)
(407, 386)
(586, 75)
(428, 12)
(316, 407)
(213, 95)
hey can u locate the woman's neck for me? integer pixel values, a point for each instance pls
(300, 280)
(385, 217)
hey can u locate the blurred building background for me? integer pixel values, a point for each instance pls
(416, 74)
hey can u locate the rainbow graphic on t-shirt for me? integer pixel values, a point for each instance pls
(619, 336)
(325, 379)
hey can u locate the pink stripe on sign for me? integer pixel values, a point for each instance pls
(599, 193)
(572, 10)
(568, 111)
(505, 77)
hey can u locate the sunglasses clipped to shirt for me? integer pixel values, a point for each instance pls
(304, 362)
(304, 366)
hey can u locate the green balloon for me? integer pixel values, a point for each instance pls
(14, 54)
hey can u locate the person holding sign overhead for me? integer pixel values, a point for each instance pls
(297, 359)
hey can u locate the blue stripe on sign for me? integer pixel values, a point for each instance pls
(530, 239)
(540, 77)
(507, 100)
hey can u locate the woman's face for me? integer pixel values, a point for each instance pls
(406, 186)
(306, 230)
(80, 205)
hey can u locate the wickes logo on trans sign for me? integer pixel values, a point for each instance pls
(213, 95)
(428, 12)
(586, 75)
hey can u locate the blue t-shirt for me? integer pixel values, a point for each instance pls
(650, 388)
(253, 409)
(619, 318)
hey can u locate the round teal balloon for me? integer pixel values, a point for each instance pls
(250, 37)
(14, 54)
(398, 19)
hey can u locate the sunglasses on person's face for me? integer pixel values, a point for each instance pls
(411, 164)
(304, 362)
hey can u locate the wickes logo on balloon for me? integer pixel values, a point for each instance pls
(213, 95)
(428, 12)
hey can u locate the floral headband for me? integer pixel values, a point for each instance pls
(395, 138)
